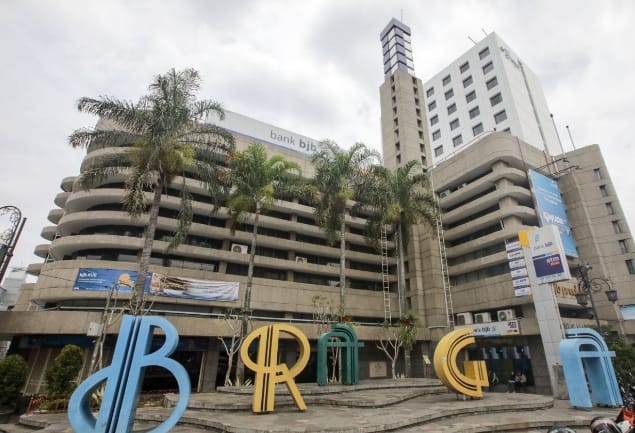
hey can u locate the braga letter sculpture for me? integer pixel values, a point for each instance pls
(347, 339)
(268, 371)
(584, 356)
(445, 366)
(124, 378)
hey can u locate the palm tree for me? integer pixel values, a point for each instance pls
(338, 174)
(256, 182)
(164, 137)
(399, 198)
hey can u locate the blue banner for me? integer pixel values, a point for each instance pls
(551, 210)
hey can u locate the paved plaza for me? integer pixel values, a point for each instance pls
(409, 405)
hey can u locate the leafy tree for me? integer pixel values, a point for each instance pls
(399, 198)
(338, 175)
(164, 137)
(61, 377)
(257, 181)
(13, 372)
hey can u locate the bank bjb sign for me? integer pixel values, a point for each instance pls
(545, 253)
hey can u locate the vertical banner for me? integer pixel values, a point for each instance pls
(517, 268)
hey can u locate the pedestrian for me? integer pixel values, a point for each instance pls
(523, 382)
(511, 382)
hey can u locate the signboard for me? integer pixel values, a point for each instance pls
(628, 312)
(103, 280)
(551, 210)
(494, 329)
(546, 252)
(517, 268)
(265, 133)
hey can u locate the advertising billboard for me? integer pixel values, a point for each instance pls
(550, 208)
(103, 280)
(545, 252)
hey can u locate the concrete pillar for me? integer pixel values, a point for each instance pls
(209, 366)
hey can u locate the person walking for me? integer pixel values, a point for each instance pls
(511, 382)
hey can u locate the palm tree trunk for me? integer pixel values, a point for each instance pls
(343, 265)
(136, 301)
(402, 295)
(244, 322)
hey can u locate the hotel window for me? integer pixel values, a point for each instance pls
(500, 116)
(430, 92)
(438, 151)
(432, 105)
(457, 141)
(470, 96)
(417, 102)
(603, 190)
(468, 81)
(623, 246)
(597, 173)
(451, 108)
(496, 99)
(474, 112)
(436, 135)
(454, 124)
(464, 67)
(449, 94)
(630, 266)
(488, 67)
(477, 129)
(492, 83)
(447, 80)
(609, 208)
(617, 228)
(483, 53)
(434, 120)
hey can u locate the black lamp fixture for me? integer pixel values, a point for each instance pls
(587, 286)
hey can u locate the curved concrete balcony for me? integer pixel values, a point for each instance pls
(81, 200)
(65, 246)
(42, 250)
(34, 269)
(74, 222)
(483, 242)
(480, 263)
(67, 183)
(49, 232)
(55, 215)
(523, 212)
(518, 193)
(60, 199)
(91, 157)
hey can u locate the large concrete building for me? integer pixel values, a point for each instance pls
(456, 273)
(479, 161)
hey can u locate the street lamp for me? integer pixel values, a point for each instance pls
(587, 286)
(9, 238)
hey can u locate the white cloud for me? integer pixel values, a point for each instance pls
(313, 67)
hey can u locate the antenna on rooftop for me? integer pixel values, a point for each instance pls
(557, 133)
(570, 137)
(483, 30)
(471, 40)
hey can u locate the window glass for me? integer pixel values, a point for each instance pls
(430, 92)
(447, 80)
(451, 108)
(432, 105)
(496, 99)
(436, 135)
(492, 83)
(438, 151)
(468, 81)
(483, 53)
(470, 96)
(474, 112)
(500, 116)
(488, 67)
(434, 120)
(457, 141)
(454, 124)
(477, 129)
(449, 94)
(464, 67)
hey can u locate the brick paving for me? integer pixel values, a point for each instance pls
(416, 405)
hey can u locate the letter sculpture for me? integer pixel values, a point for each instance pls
(347, 339)
(268, 371)
(446, 368)
(585, 355)
(124, 377)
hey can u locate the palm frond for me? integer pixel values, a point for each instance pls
(124, 113)
(186, 214)
(84, 138)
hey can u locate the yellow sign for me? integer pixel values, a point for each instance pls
(268, 371)
(446, 368)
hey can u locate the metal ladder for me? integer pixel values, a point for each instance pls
(449, 309)
(385, 273)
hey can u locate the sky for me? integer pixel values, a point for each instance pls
(313, 67)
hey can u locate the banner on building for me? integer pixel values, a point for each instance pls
(121, 280)
(517, 268)
(546, 253)
(551, 210)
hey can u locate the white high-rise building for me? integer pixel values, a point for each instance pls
(489, 88)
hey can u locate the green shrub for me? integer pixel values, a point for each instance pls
(13, 372)
(61, 378)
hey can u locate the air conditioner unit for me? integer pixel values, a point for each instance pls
(504, 315)
(463, 185)
(334, 283)
(444, 193)
(333, 264)
(482, 318)
(464, 319)
(239, 248)
(300, 259)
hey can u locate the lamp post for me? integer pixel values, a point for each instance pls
(587, 286)
(9, 237)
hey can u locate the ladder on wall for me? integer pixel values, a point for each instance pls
(385, 274)
(445, 275)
